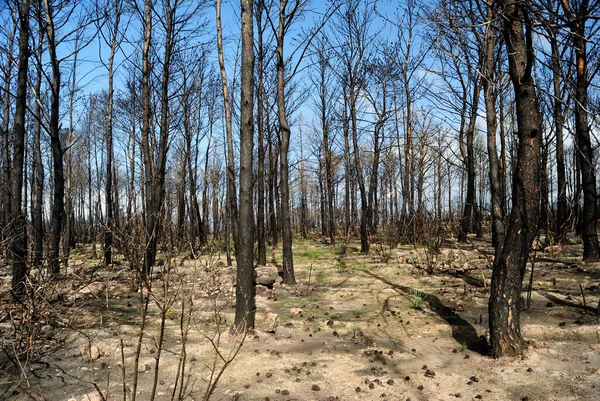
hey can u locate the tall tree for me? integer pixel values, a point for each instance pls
(38, 166)
(57, 213)
(285, 19)
(408, 54)
(490, 92)
(354, 24)
(18, 250)
(232, 207)
(151, 217)
(553, 32)
(245, 290)
(379, 73)
(323, 83)
(112, 40)
(260, 120)
(578, 14)
(7, 101)
(509, 265)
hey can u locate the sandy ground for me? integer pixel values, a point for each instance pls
(354, 328)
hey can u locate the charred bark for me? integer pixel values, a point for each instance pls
(509, 265)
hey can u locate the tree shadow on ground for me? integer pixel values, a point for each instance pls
(562, 302)
(462, 331)
(472, 281)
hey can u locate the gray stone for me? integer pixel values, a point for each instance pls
(263, 291)
(265, 281)
(267, 271)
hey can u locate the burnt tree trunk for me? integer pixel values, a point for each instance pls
(145, 139)
(231, 189)
(509, 265)
(260, 218)
(6, 106)
(245, 308)
(490, 96)
(108, 234)
(288, 258)
(38, 187)
(18, 222)
(577, 22)
(562, 213)
(470, 209)
(57, 213)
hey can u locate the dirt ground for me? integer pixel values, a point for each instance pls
(356, 327)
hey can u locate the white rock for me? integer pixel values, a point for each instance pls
(92, 397)
(269, 322)
(94, 352)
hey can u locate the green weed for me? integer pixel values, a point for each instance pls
(417, 299)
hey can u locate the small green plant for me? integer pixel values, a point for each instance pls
(316, 253)
(417, 299)
(341, 248)
(464, 346)
(340, 266)
(170, 313)
(320, 276)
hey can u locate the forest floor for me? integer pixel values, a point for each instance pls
(356, 327)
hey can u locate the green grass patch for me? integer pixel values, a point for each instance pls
(320, 253)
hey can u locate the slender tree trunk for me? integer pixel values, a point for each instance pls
(348, 174)
(469, 211)
(273, 227)
(18, 222)
(149, 172)
(303, 195)
(558, 115)
(231, 190)
(364, 235)
(284, 175)
(329, 184)
(509, 266)
(372, 195)
(158, 187)
(215, 200)
(322, 198)
(6, 106)
(245, 308)
(577, 210)
(260, 226)
(407, 197)
(202, 219)
(91, 210)
(57, 214)
(421, 178)
(439, 180)
(38, 190)
(544, 194)
(327, 177)
(490, 95)
(591, 247)
(108, 236)
(181, 196)
(69, 235)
